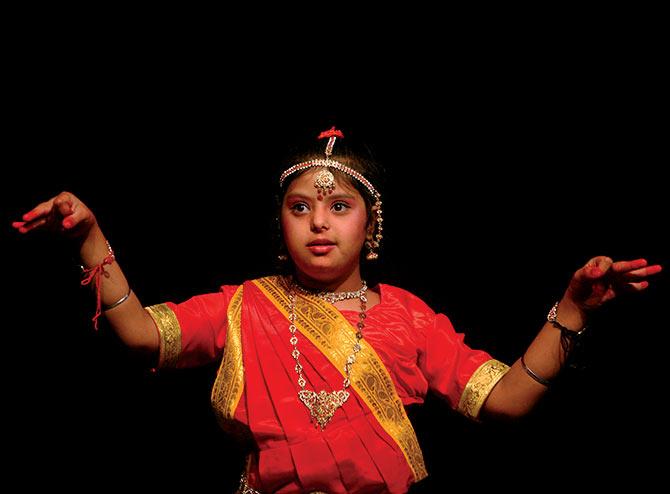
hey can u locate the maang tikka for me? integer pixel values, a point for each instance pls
(324, 182)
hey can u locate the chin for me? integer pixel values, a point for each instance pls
(320, 271)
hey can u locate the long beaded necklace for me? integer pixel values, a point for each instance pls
(323, 405)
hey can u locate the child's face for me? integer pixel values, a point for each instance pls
(324, 234)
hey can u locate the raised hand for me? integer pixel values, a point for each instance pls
(602, 279)
(63, 213)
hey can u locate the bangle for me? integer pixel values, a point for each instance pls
(567, 332)
(541, 380)
(120, 301)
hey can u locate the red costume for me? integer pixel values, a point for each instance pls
(369, 445)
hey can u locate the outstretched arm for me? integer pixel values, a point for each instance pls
(599, 281)
(67, 215)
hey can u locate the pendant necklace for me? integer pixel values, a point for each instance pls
(322, 405)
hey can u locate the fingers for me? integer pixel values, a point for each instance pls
(63, 204)
(627, 270)
(19, 226)
(638, 274)
(38, 211)
(34, 218)
(57, 212)
(608, 294)
(74, 218)
(594, 268)
(598, 266)
(635, 287)
(623, 266)
(25, 227)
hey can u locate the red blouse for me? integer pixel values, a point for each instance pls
(419, 348)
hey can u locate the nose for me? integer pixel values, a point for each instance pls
(319, 220)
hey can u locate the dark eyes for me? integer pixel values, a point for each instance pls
(338, 207)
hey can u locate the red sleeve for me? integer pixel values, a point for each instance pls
(193, 332)
(447, 362)
(431, 354)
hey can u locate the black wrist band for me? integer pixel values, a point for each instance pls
(570, 333)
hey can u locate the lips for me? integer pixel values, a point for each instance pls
(320, 241)
(321, 246)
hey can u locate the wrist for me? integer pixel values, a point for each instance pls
(93, 248)
(571, 315)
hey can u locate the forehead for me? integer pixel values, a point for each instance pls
(304, 184)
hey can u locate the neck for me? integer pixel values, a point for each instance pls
(346, 283)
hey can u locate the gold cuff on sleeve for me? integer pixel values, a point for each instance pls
(169, 334)
(479, 386)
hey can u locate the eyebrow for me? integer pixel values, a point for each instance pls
(298, 195)
(341, 196)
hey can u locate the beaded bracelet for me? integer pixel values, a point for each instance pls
(570, 333)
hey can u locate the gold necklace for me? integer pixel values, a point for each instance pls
(323, 405)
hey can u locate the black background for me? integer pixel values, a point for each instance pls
(507, 169)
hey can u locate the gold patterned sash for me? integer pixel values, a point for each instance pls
(229, 382)
(332, 334)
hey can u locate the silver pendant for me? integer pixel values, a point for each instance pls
(322, 405)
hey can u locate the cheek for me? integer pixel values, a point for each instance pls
(359, 228)
(288, 229)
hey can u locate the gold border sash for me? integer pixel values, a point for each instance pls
(229, 382)
(332, 334)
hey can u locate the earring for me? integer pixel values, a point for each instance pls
(372, 254)
(374, 244)
(282, 258)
